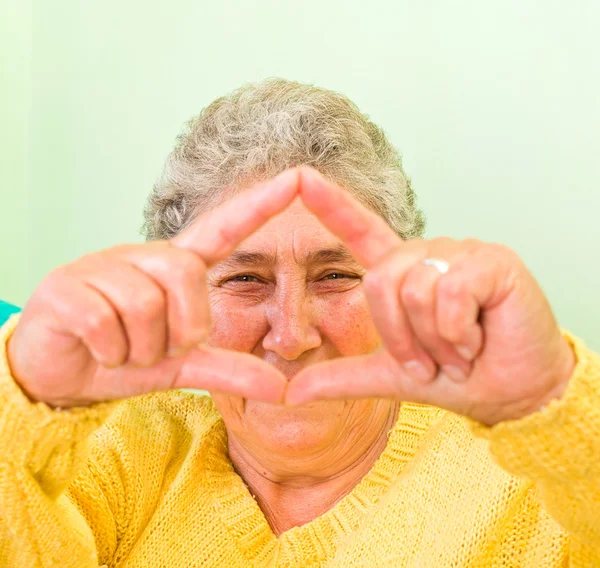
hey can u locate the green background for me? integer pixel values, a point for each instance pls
(494, 105)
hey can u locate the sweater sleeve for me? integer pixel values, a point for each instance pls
(558, 448)
(44, 449)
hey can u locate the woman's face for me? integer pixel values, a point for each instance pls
(291, 295)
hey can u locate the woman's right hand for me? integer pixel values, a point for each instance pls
(132, 319)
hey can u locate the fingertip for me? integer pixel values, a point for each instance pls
(296, 397)
(108, 363)
(308, 173)
(269, 391)
(470, 348)
(465, 352)
(288, 180)
(109, 360)
(455, 373)
(275, 397)
(417, 370)
(177, 351)
(263, 381)
(309, 179)
(195, 338)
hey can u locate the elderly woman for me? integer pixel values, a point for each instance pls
(376, 399)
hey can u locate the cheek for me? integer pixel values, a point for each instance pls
(346, 321)
(234, 326)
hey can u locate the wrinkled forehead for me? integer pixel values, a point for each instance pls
(295, 234)
(295, 227)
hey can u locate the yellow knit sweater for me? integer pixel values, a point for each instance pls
(148, 483)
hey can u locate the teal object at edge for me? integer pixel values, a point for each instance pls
(7, 310)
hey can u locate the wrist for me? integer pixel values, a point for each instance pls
(559, 377)
(564, 372)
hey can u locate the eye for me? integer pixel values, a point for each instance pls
(338, 276)
(243, 278)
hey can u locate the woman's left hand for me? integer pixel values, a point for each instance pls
(480, 339)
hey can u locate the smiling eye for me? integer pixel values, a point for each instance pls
(337, 276)
(243, 278)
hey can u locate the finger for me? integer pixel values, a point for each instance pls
(478, 283)
(217, 233)
(367, 376)
(458, 311)
(366, 234)
(204, 368)
(382, 286)
(419, 299)
(182, 276)
(230, 372)
(86, 314)
(141, 306)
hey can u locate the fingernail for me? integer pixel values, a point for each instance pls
(311, 172)
(176, 351)
(465, 352)
(417, 370)
(455, 373)
(285, 174)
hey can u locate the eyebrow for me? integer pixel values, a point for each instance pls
(336, 254)
(339, 253)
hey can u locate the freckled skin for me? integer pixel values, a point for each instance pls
(292, 315)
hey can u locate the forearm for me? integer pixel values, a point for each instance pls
(43, 451)
(558, 448)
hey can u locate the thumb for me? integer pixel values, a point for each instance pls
(206, 368)
(231, 372)
(376, 375)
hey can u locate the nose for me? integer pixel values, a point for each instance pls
(290, 314)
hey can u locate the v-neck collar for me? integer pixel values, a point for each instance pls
(317, 540)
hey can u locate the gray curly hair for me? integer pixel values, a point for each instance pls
(264, 128)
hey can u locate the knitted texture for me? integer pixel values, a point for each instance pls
(147, 482)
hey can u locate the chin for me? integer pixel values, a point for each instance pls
(294, 429)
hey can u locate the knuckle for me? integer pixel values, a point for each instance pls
(450, 288)
(379, 279)
(444, 242)
(194, 333)
(97, 323)
(52, 284)
(60, 276)
(414, 296)
(501, 250)
(373, 282)
(222, 237)
(471, 243)
(148, 304)
(194, 337)
(450, 329)
(188, 267)
(145, 357)
(402, 350)
(91, 261)
(121, 249)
